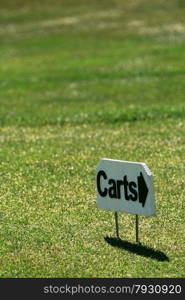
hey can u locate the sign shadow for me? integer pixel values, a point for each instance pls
(138, 249)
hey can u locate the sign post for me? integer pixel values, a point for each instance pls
(137, 229)
(126, 187)
(117, 226)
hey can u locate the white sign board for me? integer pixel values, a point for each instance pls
(125, 186)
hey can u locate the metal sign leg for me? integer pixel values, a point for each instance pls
(137, 229)
(117, 226)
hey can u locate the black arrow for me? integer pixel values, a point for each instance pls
(142, 189)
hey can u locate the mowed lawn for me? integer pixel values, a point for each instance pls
(79, 81)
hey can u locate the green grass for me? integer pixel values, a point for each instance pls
(80, 82)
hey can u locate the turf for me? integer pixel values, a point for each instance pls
(80, 82)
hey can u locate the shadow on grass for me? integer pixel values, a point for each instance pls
(137, 249)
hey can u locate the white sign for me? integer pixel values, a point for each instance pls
(125, 186)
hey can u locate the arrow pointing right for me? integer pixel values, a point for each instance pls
(142, 189)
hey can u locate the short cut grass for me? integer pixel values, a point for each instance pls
(82, 81)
